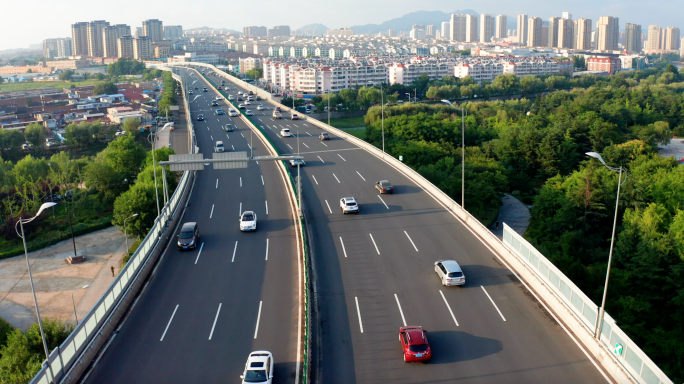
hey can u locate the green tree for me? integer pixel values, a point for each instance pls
(107, 87)
(255, 73)
(35, 134)
(66, 75)
(131, 126)
(506, 83)
(138, 199)
(125, 155)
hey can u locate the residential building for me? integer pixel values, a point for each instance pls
(254, 31)
(64, 47)
(417, 34)
(446, 30)
(604, 64)
(205, 47)
(196, 58)
(60, 47)
(534, 32)
(566, 33)
(342, 32)
(110, 36)
(153, 29)
(139, 32)
(95, 38)
(522, 29)
(79, 39)
(582, 34)
(68, 64)
(173, 32)
(633, 38)
(124, 47)
(471, 29)
(162, 51)
(553, 32)
(280, 30)
(501, 23)
(487, 28)
(407, 73)
(567, 15)
(142, 48)
(479, 71)
(457, 28)
(672, 39)
(430, 31)
(607, 33)
(654, 33)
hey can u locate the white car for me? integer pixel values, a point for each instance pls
(449, 272)
(241, 106)
(247, 102)
(232, 112)
(349, 205)
(248, 221)
(259, 368)
(260, 107)
(230, 97)
(219, 98)
(285, 132)
(277, 115)
(248, 112)
(295, 162)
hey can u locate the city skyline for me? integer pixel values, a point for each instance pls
(173, 12)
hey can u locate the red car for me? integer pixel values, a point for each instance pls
(219, 87)
(415, 344)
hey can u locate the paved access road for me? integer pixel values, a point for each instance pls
(204, 311)
(375, 273)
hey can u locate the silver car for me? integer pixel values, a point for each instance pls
(449, 272)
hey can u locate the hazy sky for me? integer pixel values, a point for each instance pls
(41, 19)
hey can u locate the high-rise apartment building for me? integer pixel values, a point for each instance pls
(142, 48)
(471, 29)
(254, 31)
(553, 31)
(607, 33)
(110, 36)
(124, 47)
(672, 39)
(279, 31)
(583, 34)
(173, 32)
(430, 31)
(138, 32)
(79, 39)
(545, 35)
(153, 29)
(566, 15)
(534, 32)
(457, 28)
(95, 38)
(522, 29)
(566, 33)
(446, 29)
(633, 38)
(654, 33)
(501, 22)
(487, 28)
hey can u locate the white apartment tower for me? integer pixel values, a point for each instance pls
(607, 33)
(457, 27)
(95, 38)
(566, 33)
(471, 29)
(501, 21)
(487, 28)
(653, 37)
(153, 29)
(553, 31)
(79, 39)
(671, 39)
(534, 32)
(583, 34)
(446, 30)
(142, 48)
(522, 29)
(632, 38)
(124, 47)
(173, 32)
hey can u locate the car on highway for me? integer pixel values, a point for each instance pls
(259, 368)
(190, 92)
(449, 272)
(239, 98)
(196, 88)
(414, 344)
(294, 116)
(241, 106)
(260, 107)
(200, 117)
(285, 132)
(214, 103)
(248, 221)
(251, 92)
(228, 128)
(204, 90)
(258, 98)
(384, 186)
(277, 115)
(218, 112)
(189, 236)
(349, 205)
(230, 97)
(324, 136)
(232, 112)
(239, 92)
(248, 112)
(219, 98)
(219, 88)
(218, 147)
(247, 102)
(278, 109)
(295, 162)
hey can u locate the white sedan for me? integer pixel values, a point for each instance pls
(259, 368)
(248, 221)
(285, 132)
(249, 113)
(260, 107)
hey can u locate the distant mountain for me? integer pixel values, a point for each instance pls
(406, 22)
(312, 29)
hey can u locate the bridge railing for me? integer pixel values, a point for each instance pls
(68, 361)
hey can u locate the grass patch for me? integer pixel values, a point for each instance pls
(130, 252)
(360, 133)
(46, 84)
(347, 122)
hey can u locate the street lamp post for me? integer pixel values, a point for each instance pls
(21, 223)
(74, 303)
(597, 331)
(153, 136)
(125, 233)
(382, 116)
(463, 115)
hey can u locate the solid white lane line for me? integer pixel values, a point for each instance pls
(207, 127)
(262, 180)
(170, 320)
(304, 144)
(309, 134)
(212, 211)
(216, 183)
(242, 134)
(326, 203)
(227, 136)
(324, 143)
(290, 146)
(360, 176)
(409, 237)
(233, 147)
(321, 160)
(234, 251)
(240, 209)
(383, 201)
(338, 180)
(267, 249)
(494, 304)
(359, 312)
(240, 181)
(212, 137)
(343, 248)
(199, 253)
(400, 311)
(267, 207)
(215, 320)
(376, 246)
(256, 330)
(341, 157)
(449, 307)
(314, 177)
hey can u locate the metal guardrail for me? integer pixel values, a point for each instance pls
(64, 358)
(613, 339)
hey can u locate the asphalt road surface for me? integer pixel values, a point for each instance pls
(204, 310)
(375, 273)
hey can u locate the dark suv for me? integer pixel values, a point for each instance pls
(189, 236)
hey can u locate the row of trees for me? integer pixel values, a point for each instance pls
(168, 98)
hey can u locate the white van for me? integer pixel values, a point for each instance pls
(218, 147)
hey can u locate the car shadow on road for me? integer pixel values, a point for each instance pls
(406, 189)
(284, 372)
(482, 275)
(453, 346)
(273, 225)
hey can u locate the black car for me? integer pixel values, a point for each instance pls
(204, 90)
(214, 103)
(196, 88)
(384, 186)
(189, 236)
(200, 117)
(239, 98)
